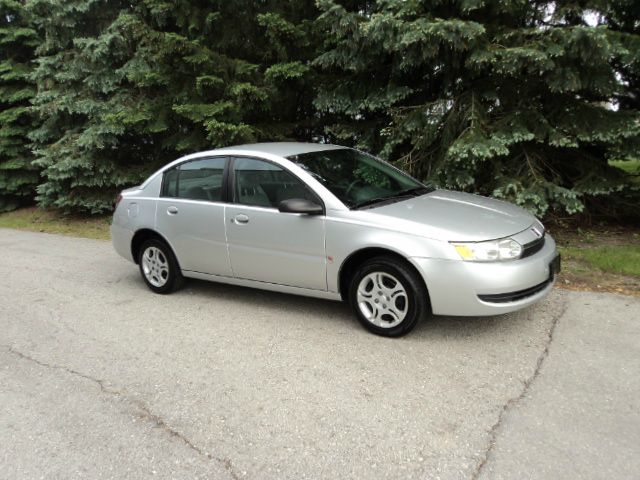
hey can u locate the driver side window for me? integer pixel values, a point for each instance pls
(263, 184)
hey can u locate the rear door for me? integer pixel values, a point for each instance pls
(265, 244)
(190, 214)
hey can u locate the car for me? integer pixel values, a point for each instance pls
(336, 223)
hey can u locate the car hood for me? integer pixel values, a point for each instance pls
(449, 215)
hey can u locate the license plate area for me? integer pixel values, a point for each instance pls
(555, 266)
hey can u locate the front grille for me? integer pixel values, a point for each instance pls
(532, 248)
(515, 296)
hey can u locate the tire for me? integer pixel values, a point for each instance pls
(159, 267)
(388, 296)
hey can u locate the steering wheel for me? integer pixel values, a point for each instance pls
(351, 185)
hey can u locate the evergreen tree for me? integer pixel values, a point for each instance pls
(520, 100)
(622, 18)
(18, 175)
(125, 87)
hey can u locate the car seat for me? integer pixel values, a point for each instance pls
(197, 193)
(249, 190)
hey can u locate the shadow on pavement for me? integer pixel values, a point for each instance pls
(340, 312)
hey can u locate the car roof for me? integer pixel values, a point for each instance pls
(275, 149)
(282, 149)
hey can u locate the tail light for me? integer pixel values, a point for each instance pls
(118, 200)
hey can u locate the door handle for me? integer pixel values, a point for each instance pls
(241, 219)
(172, 210)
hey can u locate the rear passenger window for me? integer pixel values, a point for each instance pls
(170, 183)
(196, 180)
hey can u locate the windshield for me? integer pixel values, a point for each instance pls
(358, 179)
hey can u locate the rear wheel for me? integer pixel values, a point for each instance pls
(159, 267)
(388, 296)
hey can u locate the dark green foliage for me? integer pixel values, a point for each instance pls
(18, 175)
(126, 87)
(511, 99)
(517, 99)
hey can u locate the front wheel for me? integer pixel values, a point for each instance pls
(159, 267)
(388, 296)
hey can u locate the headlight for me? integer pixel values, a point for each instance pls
(491, 251)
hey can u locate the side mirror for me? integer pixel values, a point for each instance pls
(300, 205)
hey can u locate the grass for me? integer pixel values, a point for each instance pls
(603, 259)
(37, 220)
(630, 167)
(618, 259)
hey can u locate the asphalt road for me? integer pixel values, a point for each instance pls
(100, 378)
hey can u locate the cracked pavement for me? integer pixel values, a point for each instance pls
(100, 378)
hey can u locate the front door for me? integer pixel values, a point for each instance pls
(265, 244)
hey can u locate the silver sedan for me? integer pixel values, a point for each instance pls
(336, 223)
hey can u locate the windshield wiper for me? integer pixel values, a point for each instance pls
(411, 192)
(416, 191)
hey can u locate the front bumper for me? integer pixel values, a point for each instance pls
(464, 288)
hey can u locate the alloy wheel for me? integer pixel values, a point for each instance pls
(155, 266)
(382, 299)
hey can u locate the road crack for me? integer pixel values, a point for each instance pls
(512, 402)
(141, 406)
